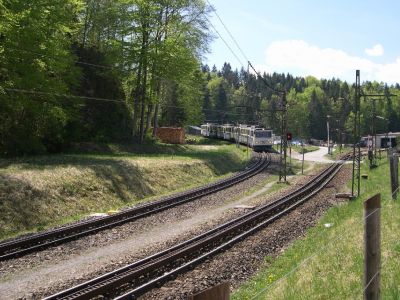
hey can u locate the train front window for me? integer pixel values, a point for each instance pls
(263, 134)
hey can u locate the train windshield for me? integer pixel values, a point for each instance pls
(263, 134)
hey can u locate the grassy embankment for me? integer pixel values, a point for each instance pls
(306, 148)
(299, 149)
(328, 262)
(338, 152)
(42, 191)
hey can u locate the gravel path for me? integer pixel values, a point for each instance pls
(39, 274)
(316, 156)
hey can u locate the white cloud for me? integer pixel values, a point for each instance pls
(300, 58)
(376, 50)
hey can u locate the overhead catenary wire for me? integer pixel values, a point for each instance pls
(228, 31)
(226, 44)
(241, 51)
(264, 80)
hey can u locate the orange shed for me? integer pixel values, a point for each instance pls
(171, 135)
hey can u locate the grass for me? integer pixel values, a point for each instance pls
(299, 149)
(295, 166)
(42, 191)
(306, 149)
(338, 152)
(328, 262)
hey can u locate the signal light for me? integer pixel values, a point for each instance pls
(289, 136)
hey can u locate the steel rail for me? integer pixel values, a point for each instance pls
(37, 242)
(112, 280)
(133, 294)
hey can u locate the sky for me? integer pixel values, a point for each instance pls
(323, 38)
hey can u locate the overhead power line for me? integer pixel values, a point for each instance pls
(226, 44)
(241, 51)
(264, 80)
(230, 34)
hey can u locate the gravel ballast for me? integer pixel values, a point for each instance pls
(244, 259)
(61, 267)
(36, 275)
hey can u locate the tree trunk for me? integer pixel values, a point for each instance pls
(145, 39)
(155, 120)
(86, 25)
(148, 118)
(143, 99)
(136, 101)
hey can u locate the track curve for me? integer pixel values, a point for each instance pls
(41, 241)
(149, 272)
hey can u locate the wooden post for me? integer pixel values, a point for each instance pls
(302, 161)
(372, 252)
(219, 292)
(394, 173)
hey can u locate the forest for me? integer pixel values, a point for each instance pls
(113, 71)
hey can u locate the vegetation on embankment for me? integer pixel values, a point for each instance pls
(338, 152)
(328, 262)
(306, 148)
(41, 191)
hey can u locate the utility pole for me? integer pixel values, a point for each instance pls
(355, 183)
(355, 186)
(373, 160)
(283, 152)
(327, 129)
(302, 161)
(372, 149)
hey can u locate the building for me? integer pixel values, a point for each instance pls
(383, 140)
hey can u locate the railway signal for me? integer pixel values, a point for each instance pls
(289, 136)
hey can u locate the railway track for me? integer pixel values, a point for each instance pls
(40, 241)
(133, 280)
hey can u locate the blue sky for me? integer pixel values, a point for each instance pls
(321, 38)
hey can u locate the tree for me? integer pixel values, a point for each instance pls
(318, 117)
(36, 67)
(221, 103)
(157, 43)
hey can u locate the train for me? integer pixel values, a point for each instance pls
(257, 138)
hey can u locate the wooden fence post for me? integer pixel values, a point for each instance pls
(394, 173)
(219, 292)
(372, 251)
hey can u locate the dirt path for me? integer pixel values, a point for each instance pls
(315, 156)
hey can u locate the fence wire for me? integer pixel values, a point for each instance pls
(310, 257)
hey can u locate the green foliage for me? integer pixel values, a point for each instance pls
(309, 103)
(135, 65)
(35, 64)
(144, 52)
(99, 121)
